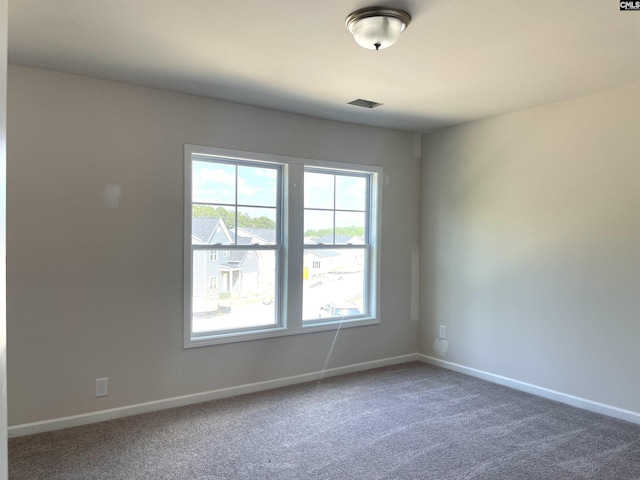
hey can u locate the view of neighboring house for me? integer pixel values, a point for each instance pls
(339, 240)
(241, 272)
(319, 261)
(207, 278)
(219, 274)
(332, 276)
(316, 262)
(219, 271)
(258, 236)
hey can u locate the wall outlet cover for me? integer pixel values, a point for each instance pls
(443, 332)
(102, 387)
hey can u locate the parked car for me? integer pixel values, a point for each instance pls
(334, 310)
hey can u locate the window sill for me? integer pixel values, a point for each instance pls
(234, 337)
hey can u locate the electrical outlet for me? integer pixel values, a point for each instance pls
(443, 331)
(102, 387)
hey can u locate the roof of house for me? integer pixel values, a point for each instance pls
(322, 253)
(263, 235)
(209, 231)
(237, 255)
(339, 240)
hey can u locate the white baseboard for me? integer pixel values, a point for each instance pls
(583, 403)
(111, 414)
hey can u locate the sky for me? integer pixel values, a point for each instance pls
(216, 183)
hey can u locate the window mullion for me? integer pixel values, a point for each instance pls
(307, 287)
(335, 187)
(293, 245)
(235, 231)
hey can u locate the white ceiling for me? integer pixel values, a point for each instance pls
(459, 60)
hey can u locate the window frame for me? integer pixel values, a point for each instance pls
(344, 247)
(289, 292)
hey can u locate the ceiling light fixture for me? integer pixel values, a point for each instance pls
(377, 27)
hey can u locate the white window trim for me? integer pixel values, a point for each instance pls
(292, 248)
(341, 247)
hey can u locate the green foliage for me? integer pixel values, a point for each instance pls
(244, 220)
(260, 222)
(347, 231)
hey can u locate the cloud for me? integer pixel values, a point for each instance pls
(265, 172)
(205, 181)
(356, 190)
(218, 176)
(318, 180)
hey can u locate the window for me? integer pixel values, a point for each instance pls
(298, 242)
(336, 230)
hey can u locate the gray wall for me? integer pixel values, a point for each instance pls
(96, 292)
(4, 470)
(531, 246)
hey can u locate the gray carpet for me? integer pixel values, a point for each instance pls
(411, 421)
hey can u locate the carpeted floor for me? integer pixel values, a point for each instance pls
(411, 421)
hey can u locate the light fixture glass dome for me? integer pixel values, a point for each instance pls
(376, 28)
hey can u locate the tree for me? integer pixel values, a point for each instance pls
(244, 220)
(346, 231)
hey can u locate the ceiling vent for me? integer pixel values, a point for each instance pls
(365, 103)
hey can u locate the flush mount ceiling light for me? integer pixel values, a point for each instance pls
(376, 28)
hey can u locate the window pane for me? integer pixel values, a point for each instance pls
(256, 226)
(333, 283)
(350, 228)
(213, 183)
(233, 290)
(351, 193)
(318, 227)
(235, 260)
(212, 224)
(318, 190)
(257, 186)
